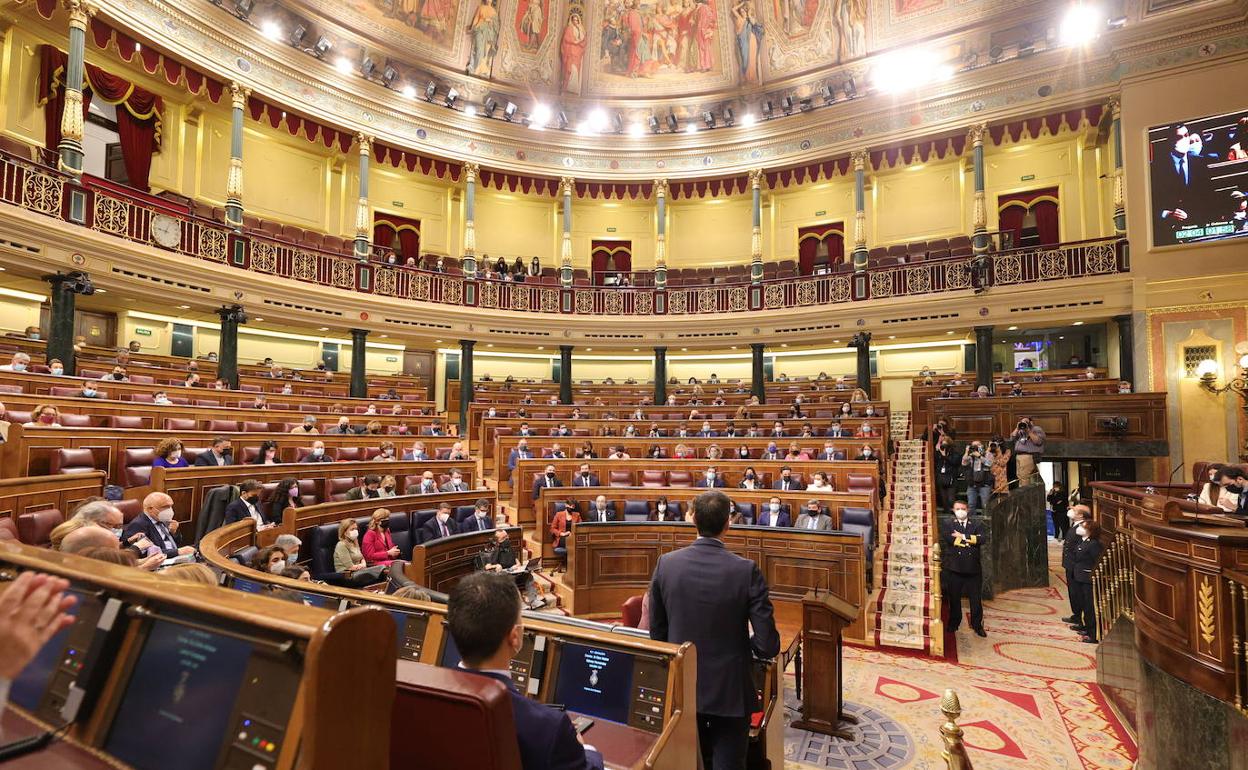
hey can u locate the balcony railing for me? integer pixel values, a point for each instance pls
(128, 214)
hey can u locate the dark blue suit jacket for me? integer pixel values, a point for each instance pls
(703, 484)
(546, 736)
(764, 519)
(705, 594)
(470, 524)
(237, 511)
(152, 530)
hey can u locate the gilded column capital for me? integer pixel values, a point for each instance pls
(471, 170)
(975, 134)
(365, 142)
(80, 13)
(660, 188)
(756, 178)
(859, 159)
(1114, 105)
(239, 95)
(567, 185)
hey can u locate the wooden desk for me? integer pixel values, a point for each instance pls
(439, 564)
(607, 563)
(922, 396)
(37, 493)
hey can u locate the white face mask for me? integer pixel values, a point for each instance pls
(662, 507)
(352, 534)
(960, 513)
(116, 532)
(58, 370)
(442, 517)
(293, 558)
(277, 566)
(1081, 532)
(1070, 515)
(88, 391)
(165, 515)
(774, 507)
(710, 476)
(19, 367)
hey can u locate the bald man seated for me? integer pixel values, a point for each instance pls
(89, 536)
(158, 524)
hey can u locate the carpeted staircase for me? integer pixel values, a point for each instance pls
(904, 610)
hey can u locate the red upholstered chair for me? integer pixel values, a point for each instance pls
(307, 492)
(619, 478)
(124, 421)
(443, 453)
(630, 611)
(72, 461)
(71, 420)
(476, 709)
(137, 466)
(8, 529)
(309, 408)
(180, 423)
(91, 374)
(64, 392)
(142, 379)
(679, 479)
(338, 488)
(223, 426)
(138, 398)
(249, 388)
(207, 402)
(19, 417)
(350, 454)
(14, 389)
(129, 508)
(251, 452)
(250, 426)
(33, 528)
(192, 452)
(179, 401)
(653, 479)
(858, 482)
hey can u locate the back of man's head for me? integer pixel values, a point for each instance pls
(88, 537)
(95, 512)
(481, 611)
(710, 513)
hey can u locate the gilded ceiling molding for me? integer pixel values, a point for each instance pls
(986, 94)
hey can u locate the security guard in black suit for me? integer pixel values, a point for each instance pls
(1076, 515)
(961, 541)
(1087, 553)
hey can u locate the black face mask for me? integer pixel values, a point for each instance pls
(550, 475)
(384, 524)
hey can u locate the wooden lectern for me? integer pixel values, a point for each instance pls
(824, 617)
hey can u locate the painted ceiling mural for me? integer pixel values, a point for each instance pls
(641, 49)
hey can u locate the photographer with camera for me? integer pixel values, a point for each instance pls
(977, 469)
(1028, 441)
(947, 471)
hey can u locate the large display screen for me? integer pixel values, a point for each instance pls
(177, 706)
(1198, 174)
(596, 681)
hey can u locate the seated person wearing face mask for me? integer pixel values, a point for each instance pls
(499, 556)
(814, 518)
(867, 453)
(317, 455)
(483, 616)
(601, 510)
(157, 525)
(710, 480)
(247, 506)
(548, 480)
(427, 484)
(371, 488)
(786, 482)
(18, 363)
(584, 478)
(56, 368)
(378, 546)
(271, 559)
(290, 546)
(480, 520)
(441, 525)
(169, 454)
(774, 516)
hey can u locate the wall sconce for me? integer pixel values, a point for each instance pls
(1207, 370)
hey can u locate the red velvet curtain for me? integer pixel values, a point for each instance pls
(387, 226)
(139, 111)
(1046, 212)
(809, 240)
(603, 253)
(1010, 220)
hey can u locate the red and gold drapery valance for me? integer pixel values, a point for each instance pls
(141, 104)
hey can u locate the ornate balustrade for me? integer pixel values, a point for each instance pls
(128, 214)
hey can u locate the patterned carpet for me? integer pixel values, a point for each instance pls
(902, 612)
(1028, 692)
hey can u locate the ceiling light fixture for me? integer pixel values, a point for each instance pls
(451, 96)
(748, 120)
(368, 67)
(708, 118)
(850, 88)
(786, 104)
(491, 104)
(729, 117)
(1078, 323)
(388, 76)
(271, 29)
(672, 123)
(636, 130)
(909, 69)
(409, 91)
(654, 124)
(297, 35)
(617, 123)
(828, 94)
(539, 116)
(242, 8)
(343, 65)
(768, 109)
(509, 112)
(1081, 25)
(431, 90)
(691, 128)
(598, 121)
(323, 44)
(470, 110)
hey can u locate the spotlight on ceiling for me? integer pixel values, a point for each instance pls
(491, 104)
(297, 35)
(786, 104)
(470, 110)
(617, 123)
(1081, 25)
(691, 127)
(343, 65)
(672, 123)
(451, 96)
(598, 120)
(806, 104)
(242, 8)
(409, 91)
(850, 88)
(431, 90)
(729, 117)
(388, 76)
(271, 29)
(1026, 48)
(539, 116)
(368, 67)
(748, 119)
(909, 69)
(323, 44)
(708, 118)
(654, 124)
(636, 130)
(561, 118)
(768, 109)
(509, 112)
(995, 53)
(828, 93)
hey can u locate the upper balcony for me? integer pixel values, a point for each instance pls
(144, 220)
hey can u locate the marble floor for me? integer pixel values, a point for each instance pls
(1028, 692)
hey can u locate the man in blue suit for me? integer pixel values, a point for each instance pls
(480, 520)
(711, 480)
(157, 524)
(707, 595)
(483, 614)
(774, 515)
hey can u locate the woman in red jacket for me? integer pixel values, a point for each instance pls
(378, 546)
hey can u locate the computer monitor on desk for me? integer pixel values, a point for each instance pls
(200, 698)
(609, 683)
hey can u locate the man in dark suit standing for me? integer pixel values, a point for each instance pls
(548, 481)
(1181, 184)
(220, 454)
(961, 540)
(705, 594)
(483, 615)
(786, 482)
(1077, 515)
(584, 478)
